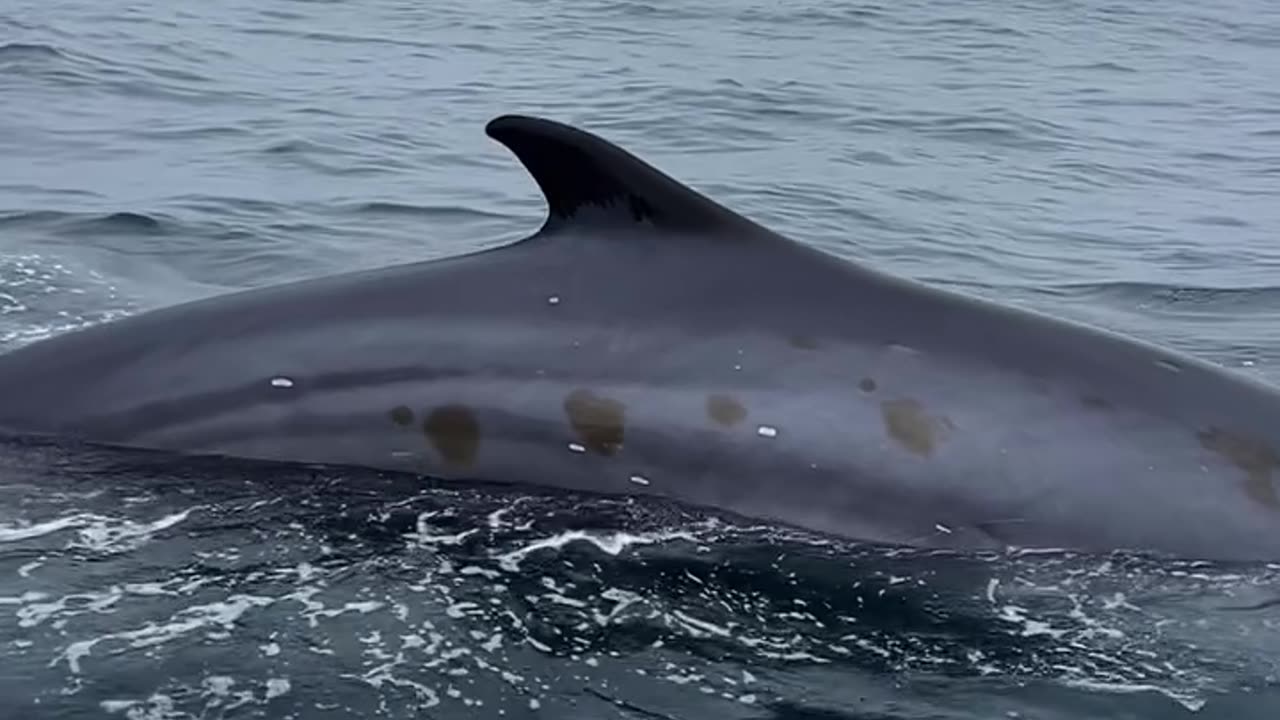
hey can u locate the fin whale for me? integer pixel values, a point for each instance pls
(647, 340)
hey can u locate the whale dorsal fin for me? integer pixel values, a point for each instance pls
(578, 172)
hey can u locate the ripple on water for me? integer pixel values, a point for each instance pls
(1087, 159)
(470, 598)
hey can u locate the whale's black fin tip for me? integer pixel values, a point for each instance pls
(578, 171)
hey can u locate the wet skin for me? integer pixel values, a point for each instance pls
(647, 340)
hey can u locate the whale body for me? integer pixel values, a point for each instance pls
(647, 340)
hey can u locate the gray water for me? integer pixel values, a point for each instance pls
(1118, 164)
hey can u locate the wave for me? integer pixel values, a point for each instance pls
(1102, 67)
(332, 158)
(519, 586)
(438, 212)
(24, 51)
(122, 222)
(992, 127)
(175, 73)
(77, 223)
(1134, 293)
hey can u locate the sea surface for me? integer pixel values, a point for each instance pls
(1116, 163)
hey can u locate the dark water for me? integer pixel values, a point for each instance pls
(1117, 163)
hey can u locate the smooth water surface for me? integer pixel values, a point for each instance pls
(1118, 164)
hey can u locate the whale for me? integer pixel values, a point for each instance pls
(646, 340)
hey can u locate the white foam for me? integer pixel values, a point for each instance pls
(96, 532)
(422, 534)
(108, 535)
(611, 543)
(277, 687)
(199, 617)
(36, 613)
(14, 533)
(698, 627)
(1192, 704)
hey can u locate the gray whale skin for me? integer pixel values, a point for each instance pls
(647, 340)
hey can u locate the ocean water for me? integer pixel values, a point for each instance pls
(1113, 163)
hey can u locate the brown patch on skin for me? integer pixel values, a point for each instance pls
(804, 342)
(598, 420)
(401, 416)
(1095, 402)
(455, 434)
(725, 410)
(907, 423)
(867, 385)
(1249, 454)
